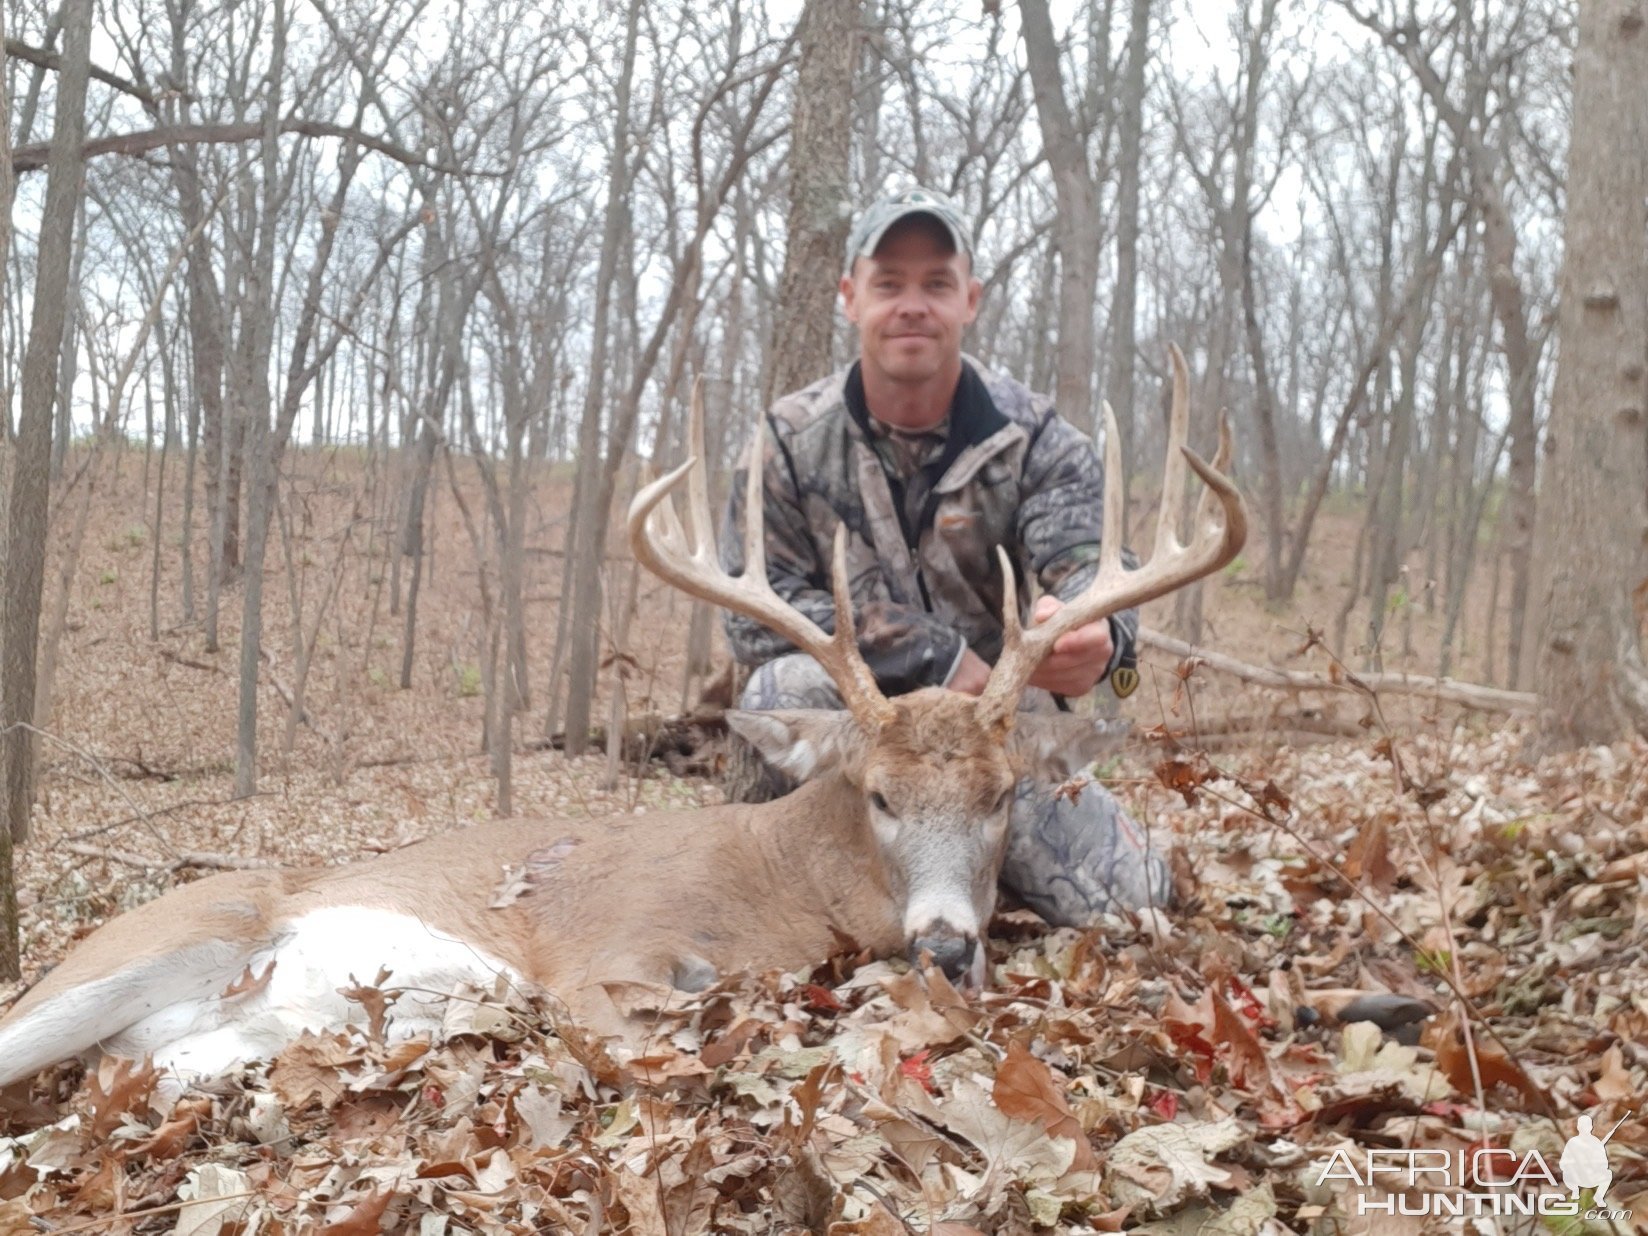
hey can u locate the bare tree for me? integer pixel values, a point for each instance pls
(737, 96)
(816, 234)
(1588, 544)
(9, 959)
(1224, 159)
(583, 548)
(29, 498)
(1469, 120)
(1078, 227)
(1129, 168)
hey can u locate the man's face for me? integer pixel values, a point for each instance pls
(911, 301)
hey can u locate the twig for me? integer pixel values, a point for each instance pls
(185, 858)
(169, 809)
(1404, 786)
(92, 1225)
(96, 763)
(1454, 980)
(166, 654)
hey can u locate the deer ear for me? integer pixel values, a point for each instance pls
(802, 742)
(1056, 746)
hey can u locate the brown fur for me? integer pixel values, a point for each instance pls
(571, 905)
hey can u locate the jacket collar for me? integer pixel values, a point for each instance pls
(974, 417)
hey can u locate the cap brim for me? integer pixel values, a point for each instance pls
(872, 242)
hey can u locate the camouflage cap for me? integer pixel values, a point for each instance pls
(873, 223)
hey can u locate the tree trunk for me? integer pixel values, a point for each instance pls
(68, 357)
(30, 498)
(584, 550)
(1588, 546)
(1264, 411)
(1123, 325)
(820, 143)
(9, 934)
(1076, 226)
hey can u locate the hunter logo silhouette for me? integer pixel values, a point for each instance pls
(1584, 1160)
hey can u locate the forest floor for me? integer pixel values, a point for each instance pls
(1183, 1073)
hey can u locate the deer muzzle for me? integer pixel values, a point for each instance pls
(950, 950)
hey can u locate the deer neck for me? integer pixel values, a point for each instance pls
(820, 841)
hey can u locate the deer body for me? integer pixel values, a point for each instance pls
(165, 978)
(895, 841)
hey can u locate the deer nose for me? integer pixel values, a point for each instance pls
(951, 951)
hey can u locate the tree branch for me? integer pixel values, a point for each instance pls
(32, 158)
(51, 60)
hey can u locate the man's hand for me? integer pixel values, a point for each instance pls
(1078, 660)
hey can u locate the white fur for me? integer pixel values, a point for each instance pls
(78, 1018)
(175, 1008)
(928, 908)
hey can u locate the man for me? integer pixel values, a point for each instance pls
(931, 461)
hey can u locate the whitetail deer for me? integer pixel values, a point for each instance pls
(895, 841)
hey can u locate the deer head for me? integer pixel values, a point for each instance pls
(934, 772)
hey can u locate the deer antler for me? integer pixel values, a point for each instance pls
(1218, 530)
(662, 546)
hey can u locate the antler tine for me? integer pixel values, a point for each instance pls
(661, 546)
(1219, 532)
(846, 666)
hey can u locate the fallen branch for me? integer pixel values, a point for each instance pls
(1466, 694)
(1292, 729)
(166, 654)
(184, 858)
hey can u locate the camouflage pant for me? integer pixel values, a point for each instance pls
(1069, 861)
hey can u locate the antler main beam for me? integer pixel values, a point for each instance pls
(1218, 531)
(692, 564)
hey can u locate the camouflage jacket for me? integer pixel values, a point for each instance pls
(925, 583)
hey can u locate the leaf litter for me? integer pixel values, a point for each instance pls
(1179, 1072)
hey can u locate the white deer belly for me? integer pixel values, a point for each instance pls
(294, 983)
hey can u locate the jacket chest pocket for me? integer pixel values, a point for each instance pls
(976, 518)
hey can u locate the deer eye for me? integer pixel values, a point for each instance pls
(879, 803)
(1005, 801)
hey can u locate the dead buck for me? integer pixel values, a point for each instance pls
(895, 841)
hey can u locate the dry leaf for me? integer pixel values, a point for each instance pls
(172, 1137)
(309, 1069)
(1614, 1083)
(1025, 1090)
(1160, 1167)
(249, 984)
(363, 1218)
(1369, 862)
(16, 1219)
(219, 1197)
(879, 1222)
(545, 1124)
(376, 1002)
(1496, 1069)
(119, 1088)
